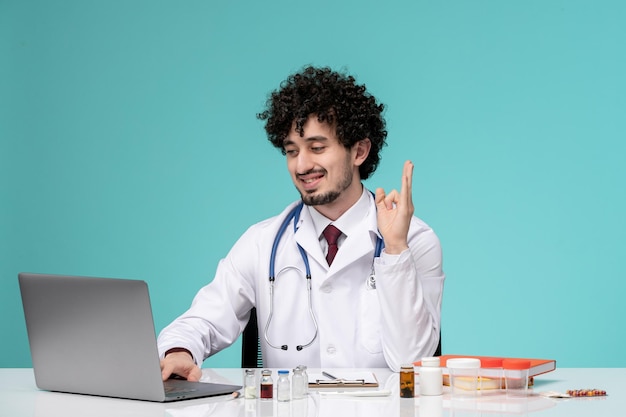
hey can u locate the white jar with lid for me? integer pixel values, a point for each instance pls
(463, 375)
(431, 376)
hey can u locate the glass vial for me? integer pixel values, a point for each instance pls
(305, 382)
(283, 386)
(407, 381)
(431, 376)
(249, 383)
(297, 384)
(267, 384)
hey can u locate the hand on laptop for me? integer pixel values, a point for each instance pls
(181, 364)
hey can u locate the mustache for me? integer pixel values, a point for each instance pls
(312, 171)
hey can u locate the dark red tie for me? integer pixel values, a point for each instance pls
(331, 234)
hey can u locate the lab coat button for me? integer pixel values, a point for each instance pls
(331, 350)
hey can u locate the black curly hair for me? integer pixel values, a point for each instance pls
(337, 100)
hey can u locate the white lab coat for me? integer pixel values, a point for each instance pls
(396, 323)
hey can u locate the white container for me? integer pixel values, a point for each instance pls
(431, 377)
(464, 374)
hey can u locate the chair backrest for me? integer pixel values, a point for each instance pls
(251, 356)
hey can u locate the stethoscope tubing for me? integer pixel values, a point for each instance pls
(295, 216)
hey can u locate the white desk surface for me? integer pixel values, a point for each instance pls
(20, 397)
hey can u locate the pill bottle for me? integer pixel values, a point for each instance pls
(267, 385)
(431, 376)
(491, 376)
(283, 386)
(516, 376)
(250, 386)
(463, 376)
(407, 381)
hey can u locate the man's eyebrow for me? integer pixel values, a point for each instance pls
(318, 138)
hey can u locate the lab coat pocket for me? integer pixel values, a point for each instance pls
(369, 314)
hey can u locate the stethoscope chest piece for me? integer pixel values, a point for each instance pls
(370, 283)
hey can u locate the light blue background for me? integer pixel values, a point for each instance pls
(130, 148)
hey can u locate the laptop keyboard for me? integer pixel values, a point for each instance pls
(175, 387)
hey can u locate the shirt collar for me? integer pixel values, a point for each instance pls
(347, 220)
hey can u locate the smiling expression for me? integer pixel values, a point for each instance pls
(323, 170)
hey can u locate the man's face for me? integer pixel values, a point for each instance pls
(321, 168)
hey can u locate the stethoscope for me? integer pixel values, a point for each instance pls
(295, 216)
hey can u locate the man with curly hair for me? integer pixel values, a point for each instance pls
(332, 301)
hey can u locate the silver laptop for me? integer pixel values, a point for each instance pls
(96, 336)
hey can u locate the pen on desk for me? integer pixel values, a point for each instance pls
(327, 375)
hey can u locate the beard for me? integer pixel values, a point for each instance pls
(329, 196)
(320, 199)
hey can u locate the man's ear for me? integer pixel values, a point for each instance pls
(361, 150)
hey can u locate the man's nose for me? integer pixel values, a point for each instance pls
(304, 162)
